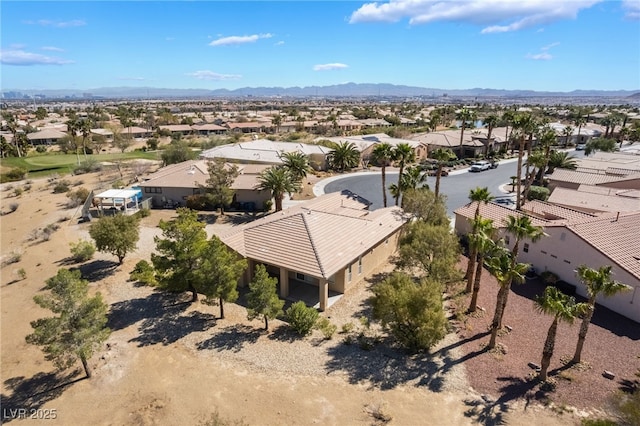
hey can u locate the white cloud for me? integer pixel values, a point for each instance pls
(495, 15)
(58, 24)
(20, 57)
(224, 41)
(549, 46)
(279, 43)
(132, 78)
(52, 49)
(632, 9)
(210, 75)
(544, 56)
(329, 67)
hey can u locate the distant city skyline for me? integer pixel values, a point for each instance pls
(501, 44)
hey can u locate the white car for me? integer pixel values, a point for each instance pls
(480, 166)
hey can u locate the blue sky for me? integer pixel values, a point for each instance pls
(500, 44)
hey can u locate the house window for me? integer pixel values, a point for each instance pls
(299, 276)
(153, 190)
(196, 191)
(526, 248)
(359, 265)
(506, 239)
(349, 273)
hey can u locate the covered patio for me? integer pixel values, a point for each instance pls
(125, 200)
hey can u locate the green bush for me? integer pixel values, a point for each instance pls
(77, 197)
(87, 166)
(538, 193)
(301, 318)
(13, 175)
(18, 191)
(82, 250)
(22, 274)
(61, 186)
(144, 273)
(326, 328)
(41, 149)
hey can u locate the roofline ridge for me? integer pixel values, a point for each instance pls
(313, 245)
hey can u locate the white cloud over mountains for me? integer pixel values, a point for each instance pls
(22, 57)
(213, 76)
(495, 16)
(329, 67)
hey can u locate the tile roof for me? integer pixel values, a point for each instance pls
(46, 134)
(617, 238)
(317, 239)
(580, 177)
(261, 151)
(595, 200)
(548, 211)
(497, 213)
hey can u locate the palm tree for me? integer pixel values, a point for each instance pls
(507, 117)
(561, 160)
(563, 308)
(403, 154)
(411, 178)
(547, 138)
(506, 271)
(383, 156)
(465, 115)
(344, 156)
(490, 121)
(537, 161)
(479, 195)
(441, 155)
(525, 125)
(297, 163)
(579, 121)
(485, 247)
(276, 120)
(566, 132)
(85, 130)
(521, 228)
(73, 125)
(279, 181)
(598, 281)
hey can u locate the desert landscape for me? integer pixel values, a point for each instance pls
(168, 361)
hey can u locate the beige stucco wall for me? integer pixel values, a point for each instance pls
(561, 252)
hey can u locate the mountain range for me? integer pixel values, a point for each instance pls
(339, 90)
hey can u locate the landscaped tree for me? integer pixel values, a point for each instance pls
(180, 253)
(525, 126)
(600, 144)
(566, 134)
(506, 272)
(79, 326)
(344, 156)
(217, 189)
(561, 160)
(490, 121)
(433, 249)
(536, 162)
(477, 195)
(219, 272)
(465, 115)
(412, 312)
(403, 155)
(598, 281)
(383, 155)
(411, 178)
(263, 300)
(423, 204)
(276, 120)
(297, 163)
(563, 308)
(485, 247)
(277, 180)
(442, 156)
(176, 152)
(117, 235)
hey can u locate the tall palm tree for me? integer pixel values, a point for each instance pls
(344, 156)
(579, 121)
(506, 271)
(547, 139)
(73, 125)
(598, 281)
(566, 133)
(85, 130)
(279, 181)
(412, 178)
(479, 195)
(525, 126)
(383, 156)
(507, 117)
(465, 115)
(490, 122)
(563, 308)
(522, 229)
(536, 162)
(276, 120)
(441, 155)
(485, 247)
(403, 155)
(297, 163)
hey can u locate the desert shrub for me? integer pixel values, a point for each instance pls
(152, 144)
(326, 327)
(87, 166)
(22, 274)
(549, 277)
(82, 250)
(143, 213)
(144, 273)
(48, 230)
(17, 173)
(538, 193)
(347, 328)
(267, 205)
(27, 187)
(301, 318)
(196, 202)
(41, 149)
(61, 187)
(118, 184)
(77, 197)
(13, 207)
(598, 422)
(17, 191)
(13, 257)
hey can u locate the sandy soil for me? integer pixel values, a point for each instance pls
(171, 363)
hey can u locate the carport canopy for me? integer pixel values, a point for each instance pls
(118, 197)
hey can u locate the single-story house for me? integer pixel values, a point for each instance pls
(183, 129)
(327, 244)
(365, 144)
(597, 199)
(208, 129)
(572, 179)
(264, 151)
(249, 127)
(135, 132)
(475, 142)
(45, 137)
(172, 185)
(572, 239)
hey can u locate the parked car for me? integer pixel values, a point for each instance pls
(480, 166)
(444, 172)
(493, 164)
(581, 146)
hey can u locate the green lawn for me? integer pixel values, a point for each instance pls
(46, 164)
